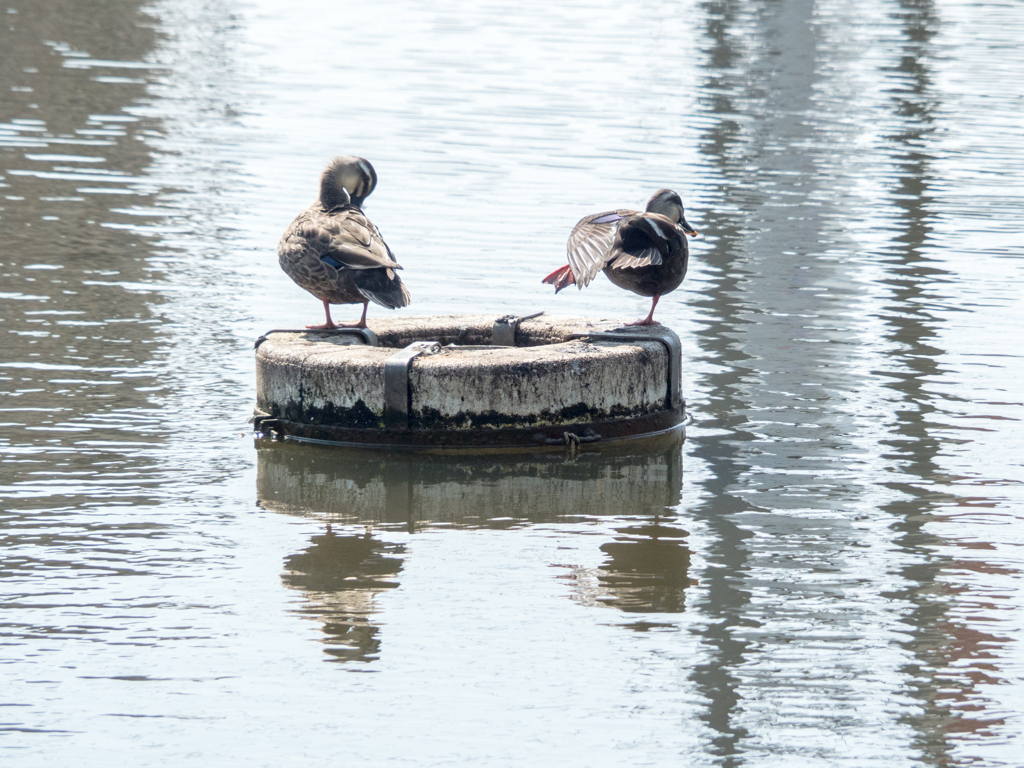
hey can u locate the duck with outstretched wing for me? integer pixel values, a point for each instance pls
(644, 252)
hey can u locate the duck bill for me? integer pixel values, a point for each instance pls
(687, 228)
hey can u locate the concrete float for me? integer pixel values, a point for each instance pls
(469, 381)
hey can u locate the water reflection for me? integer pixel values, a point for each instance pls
(646, 564)
(852, 497)
(495, 490)
(77, 311)
(834, 329)
(937, 639)
(340, 576)
(645, 571)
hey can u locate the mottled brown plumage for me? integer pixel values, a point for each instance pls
(646, 253)
(335, 252)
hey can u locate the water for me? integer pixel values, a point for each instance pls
(828, 571)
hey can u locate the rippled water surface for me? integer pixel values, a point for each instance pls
(827, 572)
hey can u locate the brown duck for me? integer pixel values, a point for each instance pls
(646, 253)
(335, 252)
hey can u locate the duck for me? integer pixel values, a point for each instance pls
(643, 252)
(335, 252)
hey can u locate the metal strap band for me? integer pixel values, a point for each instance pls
(396, 382)
(367, 336)
(503, 333)
(672, 346)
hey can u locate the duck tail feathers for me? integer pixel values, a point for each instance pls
(380, 288)
(560, 278)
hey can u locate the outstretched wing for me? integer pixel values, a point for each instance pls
(642, 240)
(590, 244)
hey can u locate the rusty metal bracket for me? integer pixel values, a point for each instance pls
(369, 338)
(672, 346)
(503, 333)
(397, 392)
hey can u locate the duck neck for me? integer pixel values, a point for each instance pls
(331, 194)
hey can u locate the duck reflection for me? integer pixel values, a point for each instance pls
(341, 575)
(646, 571)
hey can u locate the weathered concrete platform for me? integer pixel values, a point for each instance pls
(470, 381)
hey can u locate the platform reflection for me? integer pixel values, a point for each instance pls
(343, 572)
(349, 486)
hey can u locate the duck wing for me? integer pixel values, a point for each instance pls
(642, 240)
(590, 244)
(355, 242)
(344, 239)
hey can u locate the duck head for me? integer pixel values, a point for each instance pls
(346, 179)
(669, 204)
